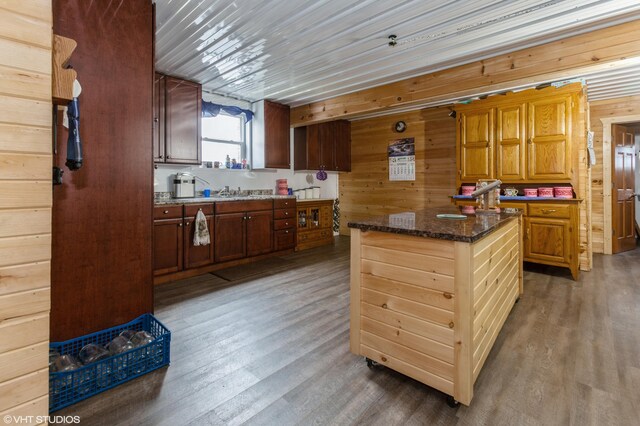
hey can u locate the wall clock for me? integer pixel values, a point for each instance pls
(400, 126)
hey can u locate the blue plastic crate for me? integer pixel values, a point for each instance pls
(67, 388)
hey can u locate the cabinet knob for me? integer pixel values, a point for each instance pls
(249, 217)
(286, 232)
(286, 213)
(166, 212)
(286, 224)
(156, 120)
(187, 223)
(168, 156)
(244, 218)
(529, 141)
(179, 225)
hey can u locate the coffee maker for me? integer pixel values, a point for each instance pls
(184, 185)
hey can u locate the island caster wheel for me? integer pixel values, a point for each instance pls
(370, 363)
(451, 402)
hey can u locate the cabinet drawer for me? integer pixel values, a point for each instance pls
(243, 206)
(284, 203)
(192, 209)
(284, 239)
(550, 210)
(318, 235)
(284, 214)
(284, 223)
(167, 212)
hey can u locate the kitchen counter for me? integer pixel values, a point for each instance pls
(429, 296)
(424, 223)
(176, 201)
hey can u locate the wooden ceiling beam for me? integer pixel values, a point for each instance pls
(566, 58)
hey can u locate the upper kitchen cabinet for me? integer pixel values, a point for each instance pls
(270, 141)
(519, 137)
(550, 138)
(323, 146)
(177, 121)
(510, 142)
(475, 142)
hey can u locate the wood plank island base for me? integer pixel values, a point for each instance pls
(429, 296)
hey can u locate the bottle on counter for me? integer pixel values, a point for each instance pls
(227, 162)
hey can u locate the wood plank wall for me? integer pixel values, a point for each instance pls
(598, 110)
(25, 205)
(367, 191)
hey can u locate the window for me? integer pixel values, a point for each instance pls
(223, 135)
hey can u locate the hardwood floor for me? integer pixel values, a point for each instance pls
(270, 347)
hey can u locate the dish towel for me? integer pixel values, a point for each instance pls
(201, 234)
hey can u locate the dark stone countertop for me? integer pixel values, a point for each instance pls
(424, 223)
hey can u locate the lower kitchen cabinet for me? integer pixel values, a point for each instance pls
(230, 241)
(168, 239)
(550, 234)
(168, 236)
(239, 230)
(259, 230)
(195, 256)
(315, 223)
(243, 228)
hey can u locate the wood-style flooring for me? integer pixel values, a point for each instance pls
(269, 345)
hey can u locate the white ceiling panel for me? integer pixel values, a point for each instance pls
(300, 51)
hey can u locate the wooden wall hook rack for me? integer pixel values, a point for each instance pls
(63, 77)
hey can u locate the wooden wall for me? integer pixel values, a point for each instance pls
(102, 214)
(25, 205)
(598, 110)
(367, 191)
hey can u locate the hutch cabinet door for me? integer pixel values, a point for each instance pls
(548, 240)
(510, 143)
(476, 145)
(549, 138)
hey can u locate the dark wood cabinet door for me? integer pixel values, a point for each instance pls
(313, 147)
(158, 118)
(300, 148)
(183, 118)
(230, 237)
(195, 256)
(167, 246)
(327, 145)
(259, 232)
(277, 149)
(342, 147)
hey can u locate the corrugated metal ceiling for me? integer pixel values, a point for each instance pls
(299, 51)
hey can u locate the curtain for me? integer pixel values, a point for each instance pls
(210, 109)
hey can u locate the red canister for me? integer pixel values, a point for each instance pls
(468, 189)
(531, 192)
(563, 192)
(545, 192)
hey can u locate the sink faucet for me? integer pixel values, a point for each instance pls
(224, 192)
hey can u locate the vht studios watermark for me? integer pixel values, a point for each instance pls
(36, 420)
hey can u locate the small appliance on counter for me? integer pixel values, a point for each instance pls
(184, 185)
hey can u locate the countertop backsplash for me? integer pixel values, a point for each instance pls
(247, 181)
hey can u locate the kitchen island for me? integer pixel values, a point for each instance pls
(429, 296)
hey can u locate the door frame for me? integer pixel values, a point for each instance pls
(607, 167)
